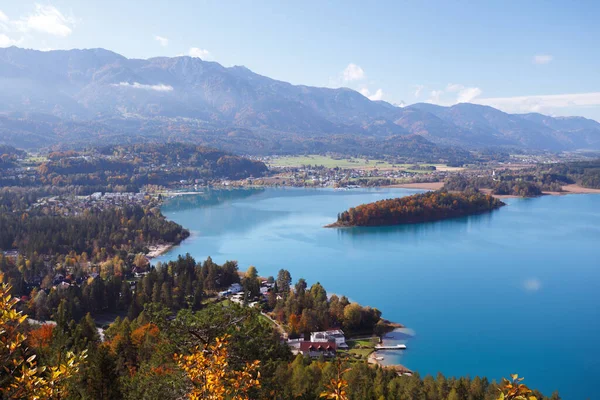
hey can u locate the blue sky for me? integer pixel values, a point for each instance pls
(519, 56)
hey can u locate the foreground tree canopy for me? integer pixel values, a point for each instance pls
(223, 352)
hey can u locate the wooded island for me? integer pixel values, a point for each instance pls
(423, 207)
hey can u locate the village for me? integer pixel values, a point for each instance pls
(73, 205)
(324, 344)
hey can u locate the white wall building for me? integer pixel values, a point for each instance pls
(331, 335)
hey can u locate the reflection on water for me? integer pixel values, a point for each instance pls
(208, 198)
(417, 230)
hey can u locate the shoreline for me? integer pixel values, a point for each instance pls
(400, 369)
(175, 193)
(158, 250)
(567, 189)
(417, 185)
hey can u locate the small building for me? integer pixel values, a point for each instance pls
(235, 288)
(332, 335)
(11, 254)
(316, 349)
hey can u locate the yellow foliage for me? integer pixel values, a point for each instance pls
(336, 389)
(212, 377)
(28, 379)
(513, 389)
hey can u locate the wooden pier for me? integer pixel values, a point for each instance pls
(396, 347)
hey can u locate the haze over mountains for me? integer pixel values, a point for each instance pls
(87, 96)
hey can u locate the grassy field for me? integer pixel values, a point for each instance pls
(351, 162)
(326, 161)
(34, 161)
(362, 347)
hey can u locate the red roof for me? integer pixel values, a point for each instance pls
(317, 346)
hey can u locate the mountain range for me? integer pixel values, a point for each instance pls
(95, 95)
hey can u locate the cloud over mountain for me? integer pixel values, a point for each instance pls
(183, 94)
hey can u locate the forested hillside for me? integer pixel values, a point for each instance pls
(430, 206)
(128, 168)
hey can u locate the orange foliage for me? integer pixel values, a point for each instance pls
(114, 343)
(161, 370)
(293, 322)
(145, 331)
(41, 337)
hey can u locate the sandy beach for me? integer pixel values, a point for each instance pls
(398, 368)
(576, 189)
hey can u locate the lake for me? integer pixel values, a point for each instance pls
(513, 291)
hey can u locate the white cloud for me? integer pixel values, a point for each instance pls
(5, 41)
(353, 73)
(463, 94)
(136, 85)
(532, 285)
(542, 58)
(378, 95)
(164, 42)
(467, 95)
(418, 90)
(47, 19)
(3, 17)
(525, 104)
(454, 87)
(199, 53)
(435, 96)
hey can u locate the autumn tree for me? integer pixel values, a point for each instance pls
(513, 389)
(22, 376)
(212, 377)
(337, 387)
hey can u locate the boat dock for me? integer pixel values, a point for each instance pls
(396, 347)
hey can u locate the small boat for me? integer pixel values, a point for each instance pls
(378, 358)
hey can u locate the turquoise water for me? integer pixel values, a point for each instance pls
(516, 290)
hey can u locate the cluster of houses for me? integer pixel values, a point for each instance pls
(321, 176)
(235, 292)
(75, 205)
(236, 289)
(321, 344)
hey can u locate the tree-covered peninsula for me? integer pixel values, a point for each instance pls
(424, 207)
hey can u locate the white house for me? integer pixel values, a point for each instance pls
(331, 335)
(235, 288)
